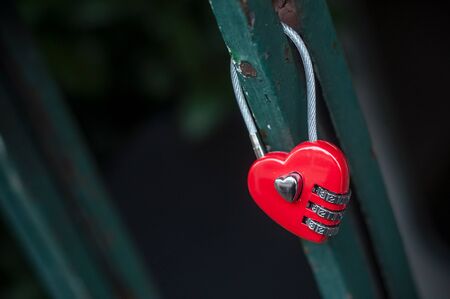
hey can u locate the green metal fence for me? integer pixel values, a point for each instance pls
(366, 259)
(50, 192)
(53, 199)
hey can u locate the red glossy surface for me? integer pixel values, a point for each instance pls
(318, 163)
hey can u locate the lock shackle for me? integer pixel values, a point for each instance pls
(258, 147)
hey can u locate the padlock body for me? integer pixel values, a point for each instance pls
(319, 164)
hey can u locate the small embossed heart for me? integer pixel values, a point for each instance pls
(289, 186)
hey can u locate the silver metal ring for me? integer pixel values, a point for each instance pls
(325, 213)
(320, 228)
(331, 197)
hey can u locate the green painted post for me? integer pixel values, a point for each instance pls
(274, 86)
(316, 26)
(268, 71)
(50, 190)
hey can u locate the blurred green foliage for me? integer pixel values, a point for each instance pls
(119, 62)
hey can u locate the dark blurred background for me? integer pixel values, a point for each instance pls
(148, 83)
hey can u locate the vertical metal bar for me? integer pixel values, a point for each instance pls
(96, 248)
(266, 67)
(275, 90)
(317, 28)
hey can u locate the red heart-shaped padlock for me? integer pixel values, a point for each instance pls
(305, 191)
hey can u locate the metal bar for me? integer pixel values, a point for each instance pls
(34, 234)
(316, 26)
(32, 205)
(274, 87)
(79, 196)
(266, 67)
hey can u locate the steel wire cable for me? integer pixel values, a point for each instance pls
(310, 93)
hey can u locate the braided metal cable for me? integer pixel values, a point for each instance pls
(242, 103)
(309, 77)
(258, 148)
(310, 93)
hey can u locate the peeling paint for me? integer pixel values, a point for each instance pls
(248, 13)
(247, 69)
(287, 12)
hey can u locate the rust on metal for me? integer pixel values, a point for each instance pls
(287, 52)
(247, 69)
(248, 13)
(263, 133)
(287, 12)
